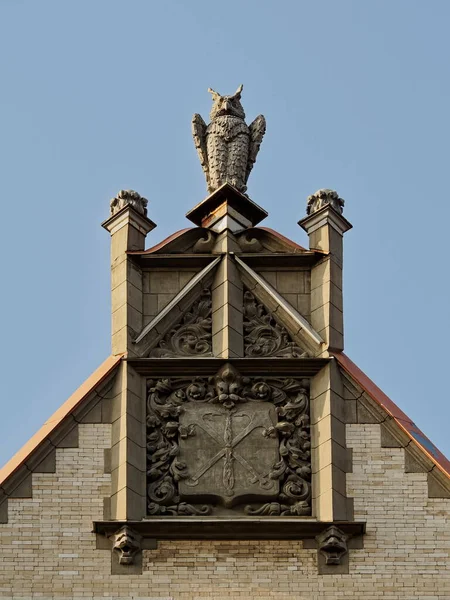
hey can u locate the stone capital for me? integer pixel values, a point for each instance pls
(128, 216)
(327, 215)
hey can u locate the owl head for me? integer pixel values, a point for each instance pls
(227, 105)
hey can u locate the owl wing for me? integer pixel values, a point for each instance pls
(257, 131)
(199, 135)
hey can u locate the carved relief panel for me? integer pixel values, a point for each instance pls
(228, 445)
(263, 336)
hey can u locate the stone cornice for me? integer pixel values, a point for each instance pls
(246, 528)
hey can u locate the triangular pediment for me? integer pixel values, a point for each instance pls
(264, 336)
(191, 335)
(183, 327)
(297, 329)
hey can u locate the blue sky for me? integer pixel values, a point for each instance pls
(98, 96)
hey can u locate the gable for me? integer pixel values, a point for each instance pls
(85, 405)
(367, 403)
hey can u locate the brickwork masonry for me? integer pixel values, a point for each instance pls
(48, 551)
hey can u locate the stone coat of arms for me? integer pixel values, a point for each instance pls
(228, 442)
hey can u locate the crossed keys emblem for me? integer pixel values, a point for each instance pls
(229, 441)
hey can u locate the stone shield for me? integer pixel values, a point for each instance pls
(228, 453)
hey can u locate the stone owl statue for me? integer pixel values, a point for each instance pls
(227, 147)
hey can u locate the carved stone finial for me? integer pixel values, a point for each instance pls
(129, 197)
(127, 543)
(332, 543)
(227, 147)
(323, 197)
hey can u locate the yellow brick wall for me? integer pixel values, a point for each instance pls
(48, 551)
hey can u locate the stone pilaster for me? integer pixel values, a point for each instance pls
(128, 227)
(331, 459)
(128, 452)
(325, 228)
(227, 212)
(227, 306)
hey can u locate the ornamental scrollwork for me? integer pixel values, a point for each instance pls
(190, 337)
(263, 336)
(206, 448)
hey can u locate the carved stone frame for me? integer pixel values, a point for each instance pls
(287, 398)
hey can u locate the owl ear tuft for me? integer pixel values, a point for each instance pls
(215, 95)
(238, 92)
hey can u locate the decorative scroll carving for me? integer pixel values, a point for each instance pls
(323, 197)
(263, 336)
(129, 197)
(127, 543)
(226, 439)
(206, 243)
(192, 336)
(332, 543)
(249, 243)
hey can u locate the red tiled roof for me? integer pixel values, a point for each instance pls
(181, 232)
(408, 426)
(161, 245)
(63, 411)
(282, 238)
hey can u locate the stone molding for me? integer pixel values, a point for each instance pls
(127, 215)
(322, 217)
(209, 528)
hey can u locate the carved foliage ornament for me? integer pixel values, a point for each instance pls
(263, 336)
(227, 147)
(192, 336)
(129, 197)
(227, 441)
(322, 198)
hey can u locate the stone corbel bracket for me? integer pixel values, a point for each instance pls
(332, 540)
(333, 550)
(126, 547)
